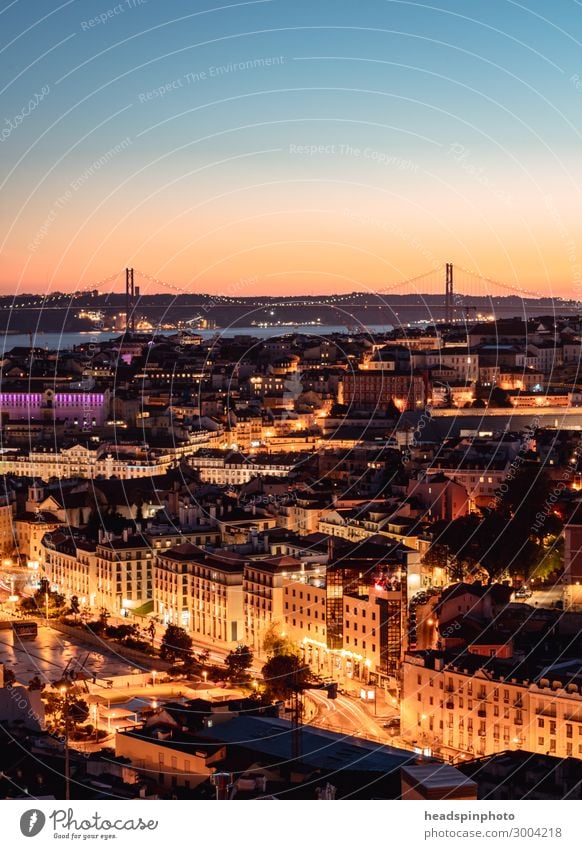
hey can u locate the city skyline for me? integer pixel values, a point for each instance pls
(292, 146)
(290, 412)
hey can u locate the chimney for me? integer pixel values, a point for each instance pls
(266, 543)
(125, 534)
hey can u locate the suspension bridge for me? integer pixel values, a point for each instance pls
(449, 291)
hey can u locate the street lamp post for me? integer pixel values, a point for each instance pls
(65, 694)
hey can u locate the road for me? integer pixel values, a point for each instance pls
(543, 598)
(346, 715)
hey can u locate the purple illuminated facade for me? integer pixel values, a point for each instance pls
(82, 408)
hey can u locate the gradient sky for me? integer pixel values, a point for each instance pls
(443, 132)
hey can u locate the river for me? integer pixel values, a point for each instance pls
(65, 341)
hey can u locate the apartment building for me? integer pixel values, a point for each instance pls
(124, 573)
(70, 564)
(201, 592)
(231, 467)
(460, 361)
(304, 605)
(29, 530)
(469, 705)
(481, 478)
(7, 536)
(374, 390)
(356, 634)
(264, 593)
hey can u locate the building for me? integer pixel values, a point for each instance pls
(124, 573)
(466, 705)
(231, 467)
(201, 592)
(7, 531)
(264, 592)
(70, 565)
(573, 566)
(374, 390)
(86, 408)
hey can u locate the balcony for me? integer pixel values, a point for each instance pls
(550, 712)
(450, 705)
(482, 712)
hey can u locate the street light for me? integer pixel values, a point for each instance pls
(205, 676)
(65, 694)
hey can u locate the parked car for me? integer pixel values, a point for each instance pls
(523, 592)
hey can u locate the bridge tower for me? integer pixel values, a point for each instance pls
(449, 298)
(131, 294)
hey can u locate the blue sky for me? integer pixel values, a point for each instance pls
(461, 121)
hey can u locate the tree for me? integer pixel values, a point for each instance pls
(437, 557)
(42, 600)
(499, 398)
(9, 677)
(457, 540)
(122, 632)
(275, 643)
(35, 683)
(282, 674)
(61, 700)
(176, 645)
(238, 662)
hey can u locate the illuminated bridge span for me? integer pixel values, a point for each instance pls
(459, 285)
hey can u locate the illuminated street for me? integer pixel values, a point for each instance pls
(347, 715)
